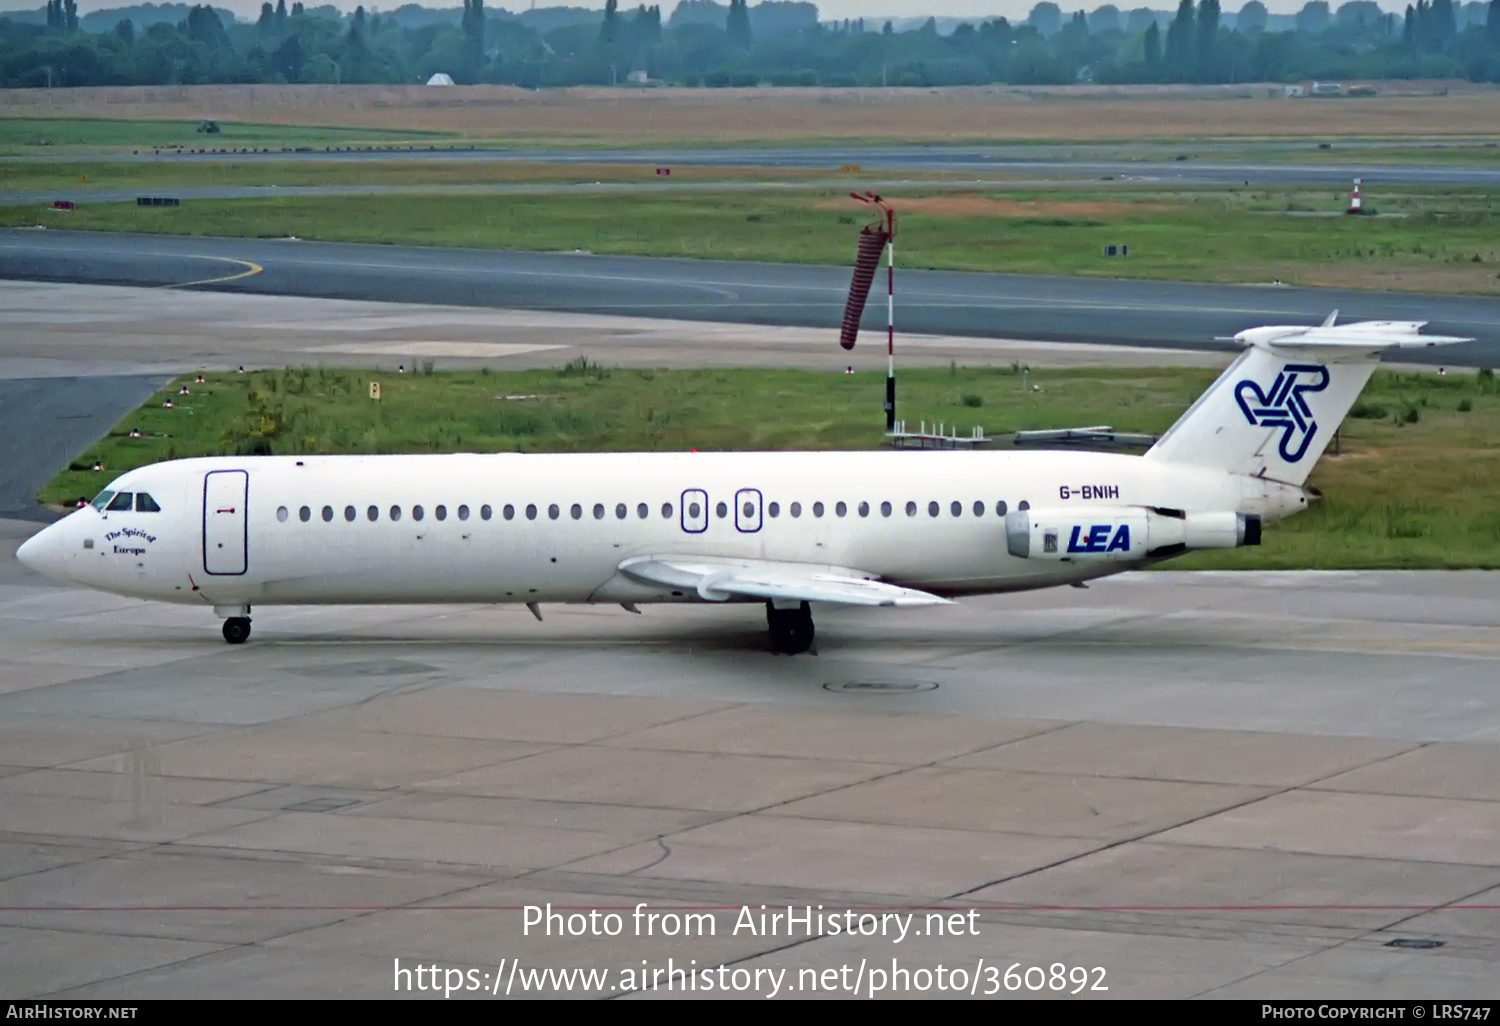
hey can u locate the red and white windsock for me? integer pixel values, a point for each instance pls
(1355, 203)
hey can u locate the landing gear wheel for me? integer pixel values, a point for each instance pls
(237, 629)
(791, 629)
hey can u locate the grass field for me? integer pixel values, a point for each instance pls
(1416, 483)
(1443, 242)
(638, 117)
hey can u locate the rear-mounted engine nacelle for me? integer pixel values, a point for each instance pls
(1108, 534)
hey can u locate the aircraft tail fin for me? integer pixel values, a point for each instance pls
(1275, 409)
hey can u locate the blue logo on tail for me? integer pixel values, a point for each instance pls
(1284, 405)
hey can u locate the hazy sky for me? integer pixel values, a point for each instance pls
(827, 9)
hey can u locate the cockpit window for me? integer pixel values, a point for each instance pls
(102, 499)
(122, 501)
(145, 504)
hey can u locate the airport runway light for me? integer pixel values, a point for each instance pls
(878, 236)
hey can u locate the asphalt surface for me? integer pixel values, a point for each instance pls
(45, 422)
(1163, 314)
(1269, 786)
(1008, 160)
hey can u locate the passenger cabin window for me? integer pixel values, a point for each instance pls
(721, 510)
(666, 511)
(349, 514)
(978, 508)
(327, 514)
(395, 513)
(576, 511)
(416, 512)
(102, 499)
(864, 509)
(530, 511)
(795, 509)
(304, 514)
(598, 511)
(1000, 508)
(282, 514)
(643, 511)
(885, 509)
(957, 509)
(373, 513)
(911, 509)
(932, 509)
(620, 511)
(553, 512)
(145, 504)
(509, 512)
(441, 512)
(817, 509)
(773, 509)
(485, 512)
(840, 508)
(463, 512)
(121, 502)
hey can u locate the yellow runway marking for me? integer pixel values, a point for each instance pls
(252, 269)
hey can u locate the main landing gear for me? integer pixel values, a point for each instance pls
(236, 624)
(791, 629)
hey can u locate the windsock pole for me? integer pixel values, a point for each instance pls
(873, 238)
(890, 330)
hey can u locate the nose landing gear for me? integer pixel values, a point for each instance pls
(791, 629)
(236, 624)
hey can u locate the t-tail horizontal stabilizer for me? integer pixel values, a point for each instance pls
(1275, 409)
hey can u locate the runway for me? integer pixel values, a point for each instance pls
(1034, 162)
(1246, 785)
(1101, 310)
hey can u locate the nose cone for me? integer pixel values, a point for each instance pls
(42, 552)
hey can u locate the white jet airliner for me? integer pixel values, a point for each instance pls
(783, 528)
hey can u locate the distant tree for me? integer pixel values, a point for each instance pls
(1444, 25)
(1138, 19)
(609, 28)
(1105, 19)
(737, 24)
(1359, 14)
(1313, 18)
(473, 46)
(70, 15)
(1046, 18)
(266, 23)
(281, 17)
(287, 60)
(1180, 57)
(1152, 46)
(1492, 23)
(297, 9)
(203, 25)
(1208, 40)
(887, 30)
(1252, 18)
(125, 29)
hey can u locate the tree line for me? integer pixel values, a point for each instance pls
(707, 44)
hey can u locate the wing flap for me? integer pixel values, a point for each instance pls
(718, 580)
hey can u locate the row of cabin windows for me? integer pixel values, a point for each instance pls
(622, 511)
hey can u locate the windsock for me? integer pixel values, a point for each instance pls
(872, 240)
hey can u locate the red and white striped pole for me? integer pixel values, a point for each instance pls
(890, 325)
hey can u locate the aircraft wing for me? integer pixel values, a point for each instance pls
(718, 580)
